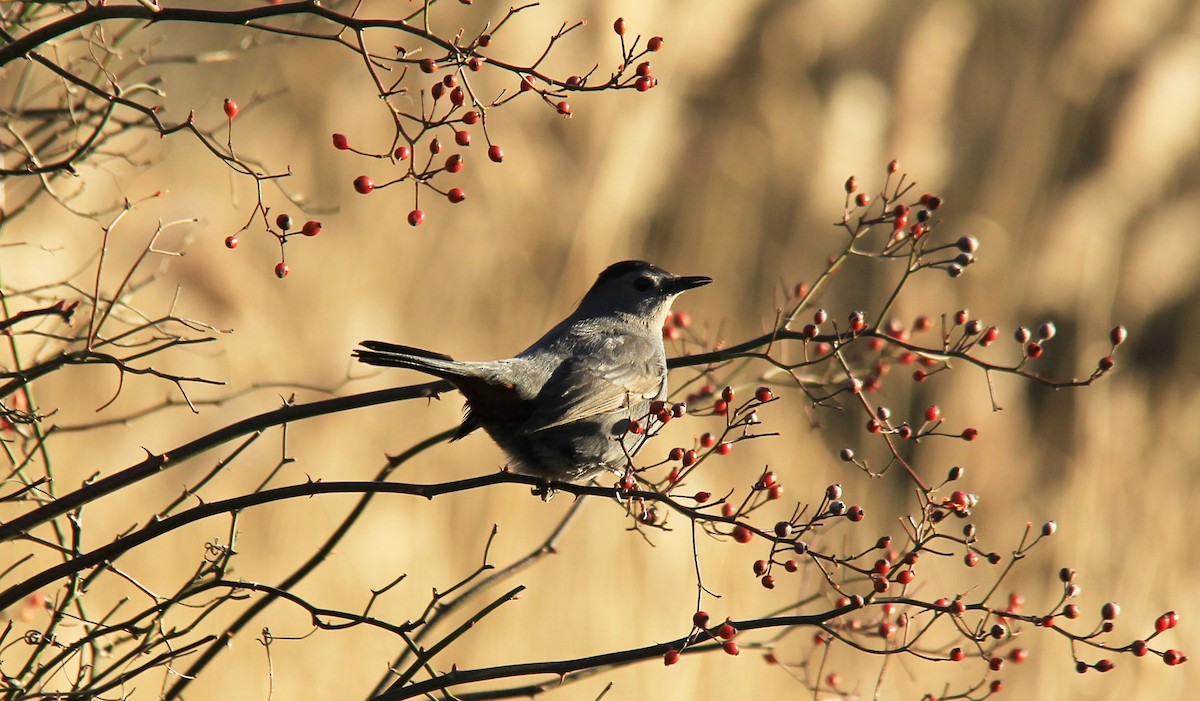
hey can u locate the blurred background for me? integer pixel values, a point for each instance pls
(1064, 136)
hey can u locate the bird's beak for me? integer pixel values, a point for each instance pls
(688, 282)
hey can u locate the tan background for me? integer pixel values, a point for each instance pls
(1065, 137)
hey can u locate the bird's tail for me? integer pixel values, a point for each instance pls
(395, 356)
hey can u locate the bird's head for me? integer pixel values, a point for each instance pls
(637, 288)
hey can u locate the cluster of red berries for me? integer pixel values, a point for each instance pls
(701, 631)
(675, 324)
(464, 109)
(284, 224)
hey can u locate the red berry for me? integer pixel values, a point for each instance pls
(564, 108)
(476, 63)
(731, 648)
(851, 188)
(969, 434)
(231, 242)
(231, 108)
(671, 657)
(311, 228)
(702, 497)
(774, 492)
(457, 96)
(1018, 655)
(1034, 350)
(619, 26)
(1139, 648)
(364, 185)
(416, 217)
(689, 458)
(957, 654)
(996, 663)
(643, 84)
(402, 153)
(456, 195)
(1173, 657)
(726, 631)
(1110, 610)
(933, 413)
(1166, 622)
(862, 199)
(284, 222)
(282, 270)
(700, 619)
(495, 153)
(1107, 363)
(931, 201)
(428, 65)
(643, 69)
(1118, 335)
(454, 164)
(763, 394)
(340, 142)
(471, 117)
(707, 440)
(437, 91)
(724, 448)
(655, 43)
(742, 534)
(528, 82)
(435, 146)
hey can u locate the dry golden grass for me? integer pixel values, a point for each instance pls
(1066, 138)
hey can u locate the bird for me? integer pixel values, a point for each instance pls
(561, 409)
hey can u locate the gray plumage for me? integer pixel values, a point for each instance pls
(560, 408)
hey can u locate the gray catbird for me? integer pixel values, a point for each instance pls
(561, 408)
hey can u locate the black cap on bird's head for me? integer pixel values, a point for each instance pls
(638, 287)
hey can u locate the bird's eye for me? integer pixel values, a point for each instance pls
(643, 284)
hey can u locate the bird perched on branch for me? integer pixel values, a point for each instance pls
(561, 408)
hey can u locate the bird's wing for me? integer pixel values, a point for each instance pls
(621, 370)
